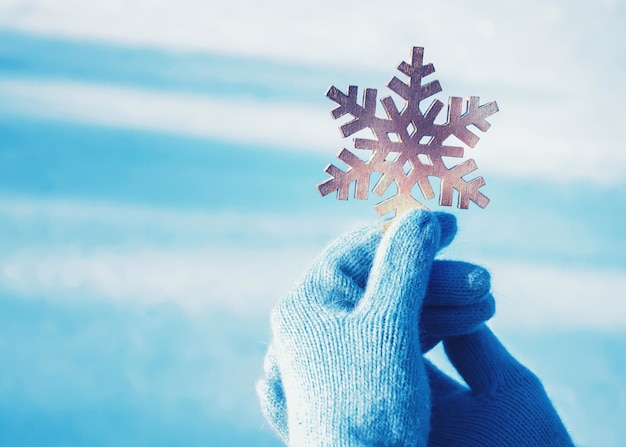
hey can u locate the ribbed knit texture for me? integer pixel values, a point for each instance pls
(345, 365)
(505, 404)
(350, 361)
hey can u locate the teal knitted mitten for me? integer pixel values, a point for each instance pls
(345, 365)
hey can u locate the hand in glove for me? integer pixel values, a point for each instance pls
(345, 366)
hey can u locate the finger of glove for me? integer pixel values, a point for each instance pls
(438, 322)
(448, 228)
(440, 383)
(340, 275)
(353, 253)
(337, 278)
(350, 255)
(484, 363)
(271, 395)
(402, 265)
(274, 409)
(456, 283)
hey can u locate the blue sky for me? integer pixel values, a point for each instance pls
(158, 165)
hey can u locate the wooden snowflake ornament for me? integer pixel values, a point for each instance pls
(408, 146)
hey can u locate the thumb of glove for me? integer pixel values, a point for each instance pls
(401, 267)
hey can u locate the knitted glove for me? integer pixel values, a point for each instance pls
(505, 404)
(458, 301)
(336, 283)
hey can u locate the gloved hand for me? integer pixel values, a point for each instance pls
(505, 404)
(349, 356)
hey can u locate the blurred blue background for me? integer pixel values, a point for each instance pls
(158, 164)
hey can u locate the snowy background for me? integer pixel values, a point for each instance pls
(158, 164)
